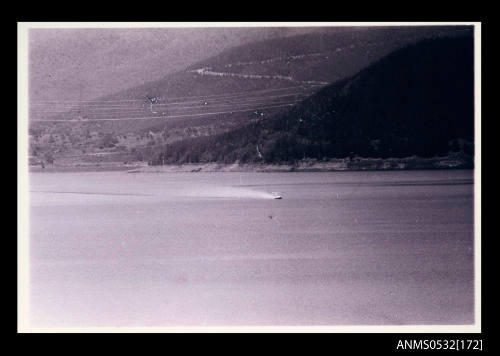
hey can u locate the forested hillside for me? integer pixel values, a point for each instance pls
(418, 100)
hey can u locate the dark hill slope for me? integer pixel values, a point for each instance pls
(303, 63)
(318, 57)
(418, 100)
(323, 57)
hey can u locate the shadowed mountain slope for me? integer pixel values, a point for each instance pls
(418, 100)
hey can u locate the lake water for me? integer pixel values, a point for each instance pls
(164, 249)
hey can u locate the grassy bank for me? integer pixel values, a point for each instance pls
(452, 161)
(312, 165)
(91, 167)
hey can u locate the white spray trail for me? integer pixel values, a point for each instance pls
(227, 192)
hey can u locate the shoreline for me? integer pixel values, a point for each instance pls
(452, 161)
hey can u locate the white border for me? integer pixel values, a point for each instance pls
(477, 173)
(22, 181)
(23, 188)
(229, 24)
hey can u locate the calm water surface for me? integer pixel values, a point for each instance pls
(340, 248)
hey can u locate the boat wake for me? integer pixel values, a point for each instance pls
(230, 193)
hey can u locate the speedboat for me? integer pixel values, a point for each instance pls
(276, 195)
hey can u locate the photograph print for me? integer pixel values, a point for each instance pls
(272, 175)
